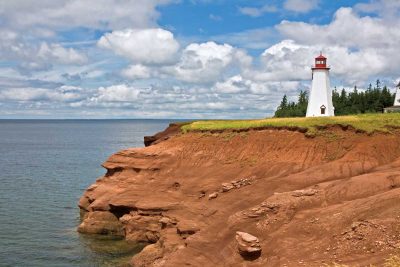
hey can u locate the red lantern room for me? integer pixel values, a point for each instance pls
(320, 63)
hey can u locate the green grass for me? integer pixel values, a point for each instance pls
(368, 123)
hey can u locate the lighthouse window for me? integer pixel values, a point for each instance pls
(323, 110)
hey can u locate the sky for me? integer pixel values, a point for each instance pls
(185, 59)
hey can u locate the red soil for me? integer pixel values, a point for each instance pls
(309, 201)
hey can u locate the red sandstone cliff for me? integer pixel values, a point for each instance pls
(309, 201)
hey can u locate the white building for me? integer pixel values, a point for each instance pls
(397, 98)
(396, 104)
(320, 98)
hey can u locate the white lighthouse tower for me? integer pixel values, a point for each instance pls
(320, 99)
(396, 104)
(397, 98)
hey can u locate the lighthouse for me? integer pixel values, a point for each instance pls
(397, 98)
(396, 104)
(320, 99)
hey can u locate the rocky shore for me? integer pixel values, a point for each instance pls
(255, 198)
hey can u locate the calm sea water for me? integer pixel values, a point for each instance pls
(45, 166)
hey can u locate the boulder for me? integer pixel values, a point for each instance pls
(186, 228)
(304, 193)
(148, 255)
(248, 245)
(101, 222)
(84, 203)
(141, 228)
(227, 187)
(166, 222)
(213, 195)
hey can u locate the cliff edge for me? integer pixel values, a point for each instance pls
(252, 198)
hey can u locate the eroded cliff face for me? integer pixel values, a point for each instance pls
(309, 201)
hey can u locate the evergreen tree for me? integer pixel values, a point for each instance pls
(284, 102)
(374, 99)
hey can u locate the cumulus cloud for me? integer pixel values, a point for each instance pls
(385, 8)
(157, 78)
(237, 84)
(291, 61)
(116, 93)
(29, 94)
(33, 56)
(137, 71)
(347, 28)
(206, 62)
(357, 47)
(30, 31)
(147, 46)
(55, 52)
(285, 61)
(124, 99)
(234, 84)
(106, 14)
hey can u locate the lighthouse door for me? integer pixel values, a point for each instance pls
(323, 108)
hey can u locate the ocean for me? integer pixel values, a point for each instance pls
(45, 166)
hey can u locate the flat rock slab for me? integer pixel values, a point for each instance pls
(248, 245)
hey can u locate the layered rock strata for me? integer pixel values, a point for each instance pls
(309, 201)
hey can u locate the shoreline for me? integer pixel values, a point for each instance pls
(175, 195)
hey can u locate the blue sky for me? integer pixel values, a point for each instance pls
(187, 58)
(208, 18)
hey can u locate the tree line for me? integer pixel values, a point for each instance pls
(372, 100)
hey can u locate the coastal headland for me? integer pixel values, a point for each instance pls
(273, 192)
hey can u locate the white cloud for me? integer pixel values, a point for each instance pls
(385, 8)
(234, 84)
(103, 14)
(347, 29)
(130, 100)
(206, 62)
(239, 84)
(285, 61)
(33, 56)
(249, 39)
(291, 61)
(203, 79)
(146, 46)
(137, 71)
(215, 17)
(258, 12)
(280, 49)
(297, 6)
(59, 54)
(301, 6)
(116, 93)
(61, 94)
(358, 48)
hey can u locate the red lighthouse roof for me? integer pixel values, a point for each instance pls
(320, 63)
